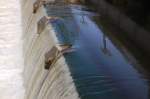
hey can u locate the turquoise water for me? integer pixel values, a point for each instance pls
(99, 69)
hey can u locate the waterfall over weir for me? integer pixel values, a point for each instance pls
(67, 56)
(55, 83)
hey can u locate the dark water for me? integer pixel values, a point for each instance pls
(99, 69)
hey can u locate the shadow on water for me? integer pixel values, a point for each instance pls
(99, 69)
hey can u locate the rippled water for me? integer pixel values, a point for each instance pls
(100, 70)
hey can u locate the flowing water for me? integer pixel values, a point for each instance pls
(55, 83)
(11, 59)
(95, 69)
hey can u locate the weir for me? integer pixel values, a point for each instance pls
(68, 56)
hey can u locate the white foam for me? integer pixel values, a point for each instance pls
(11, 61)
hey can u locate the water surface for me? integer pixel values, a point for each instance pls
(99, 69)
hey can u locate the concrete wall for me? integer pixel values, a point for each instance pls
(135, 32)
(55, 83)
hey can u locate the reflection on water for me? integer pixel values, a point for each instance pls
(99, 69)
(104, 48)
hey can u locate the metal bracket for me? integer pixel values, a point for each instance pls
(51, 57)
(38, 4)
(43, 22)
(55, 53)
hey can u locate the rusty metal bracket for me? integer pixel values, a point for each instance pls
(38, 4)
(51, 57)
(43, 22)
(55, 53)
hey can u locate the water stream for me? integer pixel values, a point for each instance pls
(11, 58)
